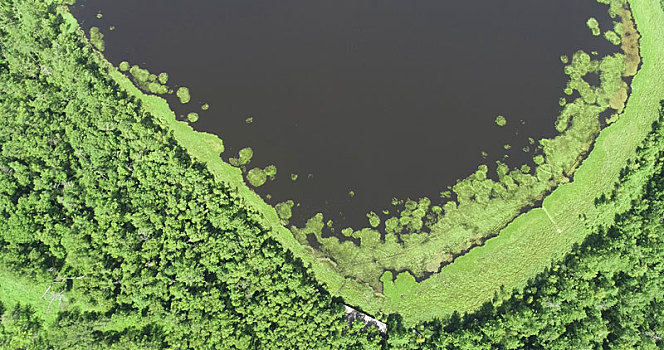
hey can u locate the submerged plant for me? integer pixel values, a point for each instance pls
(612, 37)
(245, 155)
(374, 219)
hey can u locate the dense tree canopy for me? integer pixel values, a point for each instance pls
(144, 249)
(91, 185)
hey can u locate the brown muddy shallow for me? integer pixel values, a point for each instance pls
(386, 98)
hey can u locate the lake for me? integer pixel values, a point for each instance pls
(385, 98)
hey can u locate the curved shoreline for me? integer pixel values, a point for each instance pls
(474, 278)
(450, 296)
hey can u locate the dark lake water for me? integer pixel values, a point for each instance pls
(388, 98)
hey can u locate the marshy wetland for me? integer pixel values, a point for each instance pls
(404, 134)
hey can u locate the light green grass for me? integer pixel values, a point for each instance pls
(532, 241)
(15, 289)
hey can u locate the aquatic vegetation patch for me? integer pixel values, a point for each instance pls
(256, 177)
(163, 78)
(97, 38)
(124, 66)
(271, 171)
(284, 210)
(593, 25)
(183, 94)
(192, 117)
(423, 238)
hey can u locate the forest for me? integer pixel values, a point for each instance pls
(115, 235)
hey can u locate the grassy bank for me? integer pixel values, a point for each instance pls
(535, 239)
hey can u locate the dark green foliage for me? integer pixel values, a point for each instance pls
(92, 185)
(21, 329)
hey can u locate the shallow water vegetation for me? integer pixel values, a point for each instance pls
(192, 117)
(163, 78)
(284, 210)
(145, 80)
(593, 25)
(256, 177)
(612, 37)
(271, 172)
(374, 219)
(244, 157)
(216, 252)
(422, 238)
(183, 94)
(124, 66)
(97, 38)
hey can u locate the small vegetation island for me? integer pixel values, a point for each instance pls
(122, 227)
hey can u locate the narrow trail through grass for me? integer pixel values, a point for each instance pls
(551, 219)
